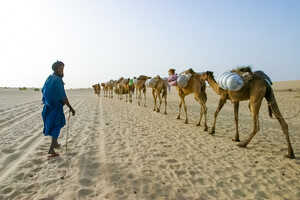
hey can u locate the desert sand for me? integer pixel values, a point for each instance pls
(119, 151)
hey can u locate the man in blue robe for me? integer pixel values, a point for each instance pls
(54, 98)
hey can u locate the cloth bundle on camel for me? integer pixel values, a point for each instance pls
(230, 81)
(183, 80)
(237, 78)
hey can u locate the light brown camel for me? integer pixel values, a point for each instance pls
(108, 88)
(159, 89)
(196, 86)
(254, 90)
(97, 89)
(125, 88)
(141, 87)
(105, 89)
(119, 88)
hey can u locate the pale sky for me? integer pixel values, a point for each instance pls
(100, 40)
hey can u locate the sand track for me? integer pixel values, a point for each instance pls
(122, 151)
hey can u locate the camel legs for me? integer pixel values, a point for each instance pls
(165, 99)
(236, 118)
(201, 115)
(154, 98)
(255, 106)
(185, 110)
(284, 126)
(144, 91)
(203, 110)
(160, 100)
(179, 110)
(139, 97)
(285, 130)
(222, 101)
(130, 96)
(182, 101)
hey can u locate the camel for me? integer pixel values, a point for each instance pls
(105, 89)
(159, 89)
(253, 90)
(196, 86)
(125, 87)
(108, 88)
(97, 89)
(141, 87)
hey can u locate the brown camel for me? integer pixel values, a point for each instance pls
(159, 89)
(141, 87)
(105, 89)
(125, 88)
(254, 90)
(97, 89)
(196, 86)
(108, 88)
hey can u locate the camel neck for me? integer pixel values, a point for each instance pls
(213, 84)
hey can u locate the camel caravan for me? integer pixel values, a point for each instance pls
(240, 84)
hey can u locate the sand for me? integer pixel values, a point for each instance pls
(118, 150)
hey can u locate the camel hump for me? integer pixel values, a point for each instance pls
(242, 70)
(264, 76)
(189, 71)
(142, 77)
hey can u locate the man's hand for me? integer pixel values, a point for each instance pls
(72, 111)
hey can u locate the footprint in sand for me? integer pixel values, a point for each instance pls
(8, 150)
(85, 182)
(84, 193)
(7, 190)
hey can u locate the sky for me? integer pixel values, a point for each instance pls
(99, 40)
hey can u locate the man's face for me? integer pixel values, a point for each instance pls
(60, 70)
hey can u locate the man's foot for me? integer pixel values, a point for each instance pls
(53, 155)
(57, 146)
(51, 151)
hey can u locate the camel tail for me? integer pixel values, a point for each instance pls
(272, 104)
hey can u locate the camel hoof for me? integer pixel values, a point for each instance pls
(154, 109)
(178, 117)
(212, 132)
(242, 144)
(235, 140)
(206, 129)
(186, 122)
(290, 156)
(158, 110)
(198, 124)
(165, 113)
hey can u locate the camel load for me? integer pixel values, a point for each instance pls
(183, 80)
(237, 78)
(230, 81)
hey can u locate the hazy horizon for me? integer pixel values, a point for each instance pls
(103, 40)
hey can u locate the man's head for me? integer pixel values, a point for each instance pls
(171, 72)
(58, 68)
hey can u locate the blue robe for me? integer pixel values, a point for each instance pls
(53, 113)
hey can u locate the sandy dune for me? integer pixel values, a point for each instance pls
(121, 151)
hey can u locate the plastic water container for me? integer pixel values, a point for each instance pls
(183, 80)
(230, 81)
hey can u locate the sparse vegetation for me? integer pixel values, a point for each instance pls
(22, 88)
(36, 89)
